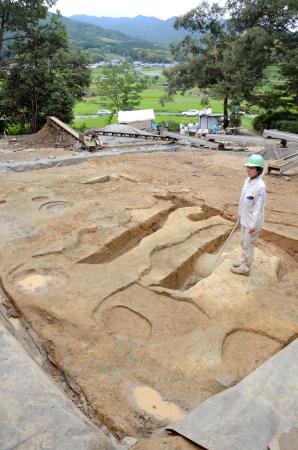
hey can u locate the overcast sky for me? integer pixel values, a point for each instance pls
(126, 8)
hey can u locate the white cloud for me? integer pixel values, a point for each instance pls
(128, 8)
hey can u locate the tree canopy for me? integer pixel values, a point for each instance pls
(229, 47)
(48, 75)
(280, 19)
(276, 16)
(17, 15)
(216, 57)
(120, 87)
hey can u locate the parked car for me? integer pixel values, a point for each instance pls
(191, 113)
(104, 112)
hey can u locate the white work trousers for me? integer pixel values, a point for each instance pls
(248, 241)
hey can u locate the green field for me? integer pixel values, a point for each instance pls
(246, 122)
(152, 70)
(150, 99)
(89, 106)
(180, 103)
(97, 122)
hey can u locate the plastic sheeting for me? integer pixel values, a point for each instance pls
(34, 413)
(256, 414)
(26, 166)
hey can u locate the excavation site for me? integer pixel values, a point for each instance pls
(117, 318)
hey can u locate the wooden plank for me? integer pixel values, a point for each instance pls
(282, 166)
(58, 123)
(290, 156)
(286, 158)
(196, 142)
(290, 161)
(167, 136)
(275, 134)
(289, 167)
(233, 138)
(152, 137)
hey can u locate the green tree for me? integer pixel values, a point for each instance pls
(48, 75)
(17, 15)
(289, 68)
(276, 16)
(272, 94)
(280, 19)
(214, 57)
(120, 87)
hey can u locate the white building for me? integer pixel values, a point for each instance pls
(141, 118)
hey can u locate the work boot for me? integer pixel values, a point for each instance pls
(241, 271)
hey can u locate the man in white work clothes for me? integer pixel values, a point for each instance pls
(251, 213)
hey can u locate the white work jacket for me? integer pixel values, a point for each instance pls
(252, 203)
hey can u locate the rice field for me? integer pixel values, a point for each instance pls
(150, 99)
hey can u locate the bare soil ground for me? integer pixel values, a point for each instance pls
(103, 261)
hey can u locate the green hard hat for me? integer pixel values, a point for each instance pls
(255, 161)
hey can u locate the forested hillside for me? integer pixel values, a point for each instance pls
(140, 27)
(102, 43)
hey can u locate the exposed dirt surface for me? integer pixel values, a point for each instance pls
(109, 275)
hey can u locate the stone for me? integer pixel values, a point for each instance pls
(107, 178)
(102, 179)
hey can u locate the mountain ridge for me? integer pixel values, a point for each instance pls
(100, 42)
(148, 28)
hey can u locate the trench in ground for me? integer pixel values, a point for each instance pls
(197, 267)
(132, 237)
